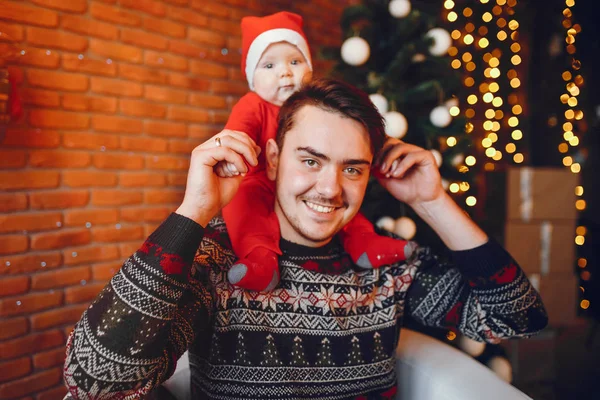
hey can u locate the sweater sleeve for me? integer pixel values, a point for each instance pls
(246, 116)
(484, 294)
(129, 339)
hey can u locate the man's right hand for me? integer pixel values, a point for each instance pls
(206, 192)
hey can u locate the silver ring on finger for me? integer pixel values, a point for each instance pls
(218, 141)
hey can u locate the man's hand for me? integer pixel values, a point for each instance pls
(409, 173)
(206, 192)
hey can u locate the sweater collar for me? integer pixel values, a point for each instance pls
(329, 259)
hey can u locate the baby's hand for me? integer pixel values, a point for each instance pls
(226, 170)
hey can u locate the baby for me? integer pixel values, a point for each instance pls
(276, 62)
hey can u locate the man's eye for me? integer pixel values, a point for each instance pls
(353, 171)
(310, 163)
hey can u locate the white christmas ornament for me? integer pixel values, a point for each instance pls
(355, 51)
(501, 366)
(386, 223)
(438, 157)
(453, 102)
(405, 228)
(395, 124)
(399, 8)
(380, 102)
(441, 41)
(458, 159)
(440, 117)
(471, 347)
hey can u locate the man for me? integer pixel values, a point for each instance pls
(329, 330)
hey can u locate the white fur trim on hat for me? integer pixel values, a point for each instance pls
(262, 41)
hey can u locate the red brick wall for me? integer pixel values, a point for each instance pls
(116, 94)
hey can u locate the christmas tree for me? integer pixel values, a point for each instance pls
(355, 357)
(215, 350)
(378, 353)
(324, 354)
(397, 53)
(270, 354)
(298, 356)
(241, 354)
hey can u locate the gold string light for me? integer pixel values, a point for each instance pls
(573, 81)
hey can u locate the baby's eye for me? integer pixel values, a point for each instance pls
(295, 62)
(269, 65)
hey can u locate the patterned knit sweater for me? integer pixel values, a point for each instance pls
(329, 331)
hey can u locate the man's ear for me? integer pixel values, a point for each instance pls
(272, 157)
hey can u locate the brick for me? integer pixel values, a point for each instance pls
(150, 228)
(60, 278)
(182, 147)
(31, 138)
(116, 87)
(234, 43)
(164, 27)
(89, 27)
(40, 58)
(142, 74)
(116, 197)
(219, 117)
(167, 129)
(188, 114)
(208, 37)
(209, 69)
(54, 318)
(148, 6)
(143, 39)
(108, 123)
(30, 222)
(68, 81)
(232, 58)
(189, 82)
(80, 102)
(187, 49)
(12, 159)
(39, 97)
(145, 214)
(215, 9)
(113, 14)
(201, 132)
(10, 244)
(118, 161)
(116, 51)
(137, 108)
(228, 27)
(120, 234)
(187, 16)
(93, 217)
(83, 255)
(165, 60)
(59, 200)
(56, 39)
(207, 101)
(77, 6)
(144, 144)
(28, 180)
(10, 328)
(10, 202)
(59, 159)
(83, 294)
(178, 2)
(58, 119)
(31, 384)
(27, 304)
(88, 178)
(141, 179)
(91, 141)
(127, 249)
(58, 392)
(105, 271)
(166, 95)
(177, 179)
(26, 263)
(10, 286)
(163, 196)
(14, 369)
(60, 239)
(14, 32)
(227, 87)
(72, 62)
(28, 15)
(16, 74)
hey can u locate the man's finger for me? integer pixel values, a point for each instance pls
(241, 147)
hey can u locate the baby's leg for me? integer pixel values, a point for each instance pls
(370, 250)
(254, 232)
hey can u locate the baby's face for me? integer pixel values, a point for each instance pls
(281, 71)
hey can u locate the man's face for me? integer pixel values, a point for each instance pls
(280, 72)
(322, 173)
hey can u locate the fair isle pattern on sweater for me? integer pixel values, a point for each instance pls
(325, 336)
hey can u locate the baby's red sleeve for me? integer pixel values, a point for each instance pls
(247, 116)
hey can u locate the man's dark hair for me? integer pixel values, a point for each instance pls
(337, 97)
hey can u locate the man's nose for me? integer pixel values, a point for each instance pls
(329, 183)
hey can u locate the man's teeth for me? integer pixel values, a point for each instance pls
(319, 208)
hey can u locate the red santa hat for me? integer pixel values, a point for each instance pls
(260, 32)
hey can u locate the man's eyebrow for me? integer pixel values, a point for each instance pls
(348, 161)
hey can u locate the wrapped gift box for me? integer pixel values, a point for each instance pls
(560, 294)
(543, 247)
(540, 194)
